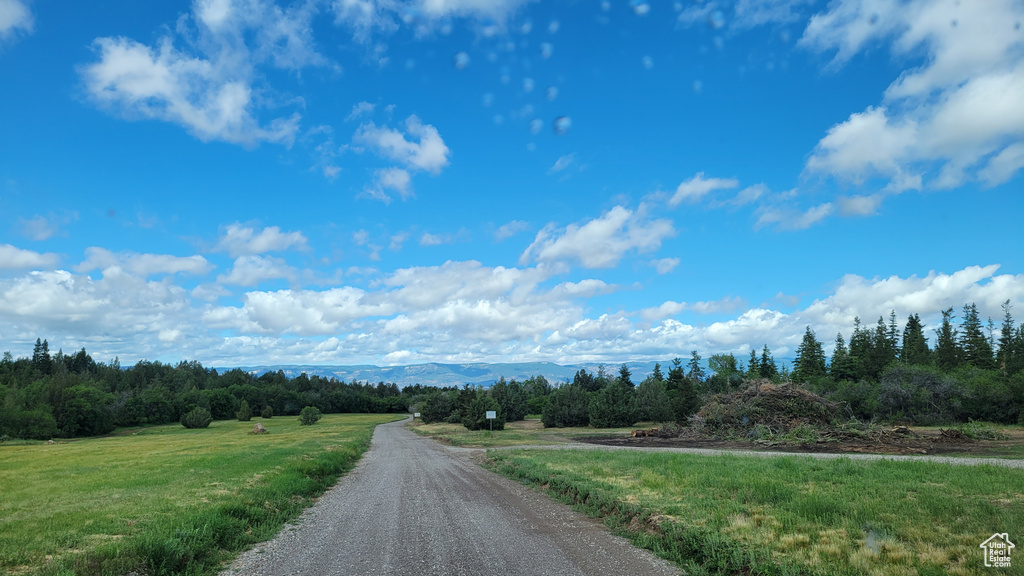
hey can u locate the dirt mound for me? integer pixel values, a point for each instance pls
(770, 409)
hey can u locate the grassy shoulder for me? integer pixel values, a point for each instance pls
(529, 432)
(787, 515)
(166, 500)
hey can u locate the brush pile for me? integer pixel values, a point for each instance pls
(766, 409)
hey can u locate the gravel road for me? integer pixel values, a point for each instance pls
(412, 506)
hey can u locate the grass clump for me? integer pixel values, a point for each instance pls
(743, 515)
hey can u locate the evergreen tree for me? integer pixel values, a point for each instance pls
(695, 372)
(652, 401)
(977, 351)
(861, 350)
(41, 356)
(767, 367)
(883, 351)
(586, 381)
(656, 374)
(727, 374)
(681, 393)
(625, 378)
(614, 405)
(893, 335)
(753, 367)
(947, 351)
(809, 365)
(1004, 357)
(842, 366)
(915, 347)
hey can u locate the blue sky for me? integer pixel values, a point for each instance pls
(406, 181)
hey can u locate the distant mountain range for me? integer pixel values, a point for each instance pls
(435, 374)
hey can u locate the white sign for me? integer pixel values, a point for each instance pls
(492, 414)
(997, 550)
(416, 415)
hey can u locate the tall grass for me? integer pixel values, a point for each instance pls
(790, 515)
(166, 500)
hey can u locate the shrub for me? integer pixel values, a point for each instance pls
(244, 413)
(567, 407)
(198, 418)
(310, 415)
(475, 417)
(267, 412)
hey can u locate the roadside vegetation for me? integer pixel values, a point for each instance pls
(165, 499)
(788, 515)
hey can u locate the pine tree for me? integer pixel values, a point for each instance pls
(625, 378)
(809, 365)
(882, 351)
(656, 374)
(893, 335)
(681, 393)
(915, 347)
(767, 367)
(977, 351)
(861, 350)
(842, 366)
(753, 367)
(695, 373)
(1004, 357)
(947, 351)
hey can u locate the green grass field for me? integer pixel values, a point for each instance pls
(790, 515)
(166, 499)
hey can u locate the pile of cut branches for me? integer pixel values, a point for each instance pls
(767, 409)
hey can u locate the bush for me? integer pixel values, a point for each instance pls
(920, 395)
(244, 413)
(310, 415)
(267, 412)
(198, 418)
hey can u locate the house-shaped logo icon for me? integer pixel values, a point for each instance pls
(997, 550)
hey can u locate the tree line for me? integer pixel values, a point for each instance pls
(883, 372)
(67, 395)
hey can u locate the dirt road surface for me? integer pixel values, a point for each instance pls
(412, 506)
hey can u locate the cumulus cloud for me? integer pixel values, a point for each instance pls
(242, 240)
(665, 265)
(14, 258)
(426, 150)
(859, 205)
(953, 119)
(143, 265)
(205, 76)
(697, 187)
(254, 270)
(423, 151)
(601, 242)
(15, 18)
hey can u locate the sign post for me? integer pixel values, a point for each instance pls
(491, 415)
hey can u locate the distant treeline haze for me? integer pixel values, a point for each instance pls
(975, 371)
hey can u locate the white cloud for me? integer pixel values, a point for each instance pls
(254, 270)
(428, 152)
(667, 308)
(143, 265)
(696, 188)
(510, 229)
(728, 304)
(859, 205)
(792, 219)
(665, 265)
(211, 85)
(241, 240)
(428, 239)
(425, 151)
(15, 18)
(367, 17)
(953, 119)
(13, 258)
(601, 242)
(359, 110)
